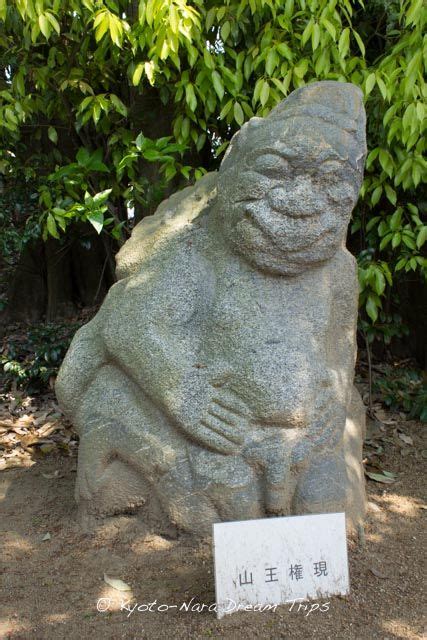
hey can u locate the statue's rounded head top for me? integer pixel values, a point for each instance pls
(288, 183)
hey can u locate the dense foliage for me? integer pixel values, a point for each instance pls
(82, 83)
(403, 390)
(32, 358)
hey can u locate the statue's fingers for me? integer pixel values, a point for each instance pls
(222, 414)
(230, 402)
(231, 433)
(205, 435)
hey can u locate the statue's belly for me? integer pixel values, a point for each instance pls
(277, 379)
(280, 385)
(270, 335)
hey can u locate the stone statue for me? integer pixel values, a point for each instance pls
(216, 381)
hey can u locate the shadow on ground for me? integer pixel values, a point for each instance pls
(50, 587)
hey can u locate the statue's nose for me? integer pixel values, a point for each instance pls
(295, 202)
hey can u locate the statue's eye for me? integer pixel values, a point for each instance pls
(269, 164)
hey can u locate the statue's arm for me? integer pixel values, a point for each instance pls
(344, 317)
(153, 329)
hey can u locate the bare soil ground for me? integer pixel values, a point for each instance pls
(52, 572)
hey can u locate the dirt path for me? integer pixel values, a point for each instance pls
(49, 588)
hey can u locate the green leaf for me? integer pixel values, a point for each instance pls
(382, 87)
(174, 19)
(210, 18)
(400, 264)
(344, 42)
(217, 84)
(94, 162)
(386, 162)
(379, 282)
(44, 25)
(329, 28)
(137, 73)
(301, 68)
(53, 21)
(376, 195)
(265, 92)
(185, 129)
(149, 68)
(390, 193)
(271, 61)
(3, 9)
(385, 241)
(120, 107)
(307, 32)
(372, 222)
(359, 42)
(53, 136)
(101, 24)
(371, 308)
(225, 31)
(285, 51)
(51, 226)
(190, 97)
(96, 218)
(83, 156)
(396, 219)
(208, 59)
(315, 36)
(396, 240)
(371, 157)
(101, 197)
(238, 114)
(226, 108)
(370, 83)
(421, 237)
(408, 240)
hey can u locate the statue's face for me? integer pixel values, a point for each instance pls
(285, 196)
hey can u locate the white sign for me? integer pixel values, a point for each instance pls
(277, 560)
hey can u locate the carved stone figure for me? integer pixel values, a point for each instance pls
(216, 381)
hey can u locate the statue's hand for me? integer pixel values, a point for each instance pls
(224, 423)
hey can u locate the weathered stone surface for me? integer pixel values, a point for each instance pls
(216, 381)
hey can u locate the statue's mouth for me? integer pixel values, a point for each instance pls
(250, 217)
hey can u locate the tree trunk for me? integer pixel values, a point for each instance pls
(54, 279)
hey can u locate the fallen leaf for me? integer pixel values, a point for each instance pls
(372, 506)
(390, 474)
(41, 419)
(377, 573)
(49, 476)
(28, 440)
(116, 583)
(15, 461)
(380, 477)
(21, 431)
(406, 439)
(25, 421)
(47, 448)
(47, 429)
(46, 536)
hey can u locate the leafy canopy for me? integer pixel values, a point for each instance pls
(76, 75)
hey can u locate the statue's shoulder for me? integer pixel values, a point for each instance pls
(344, 283)
(169, 230)
(342, 268)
